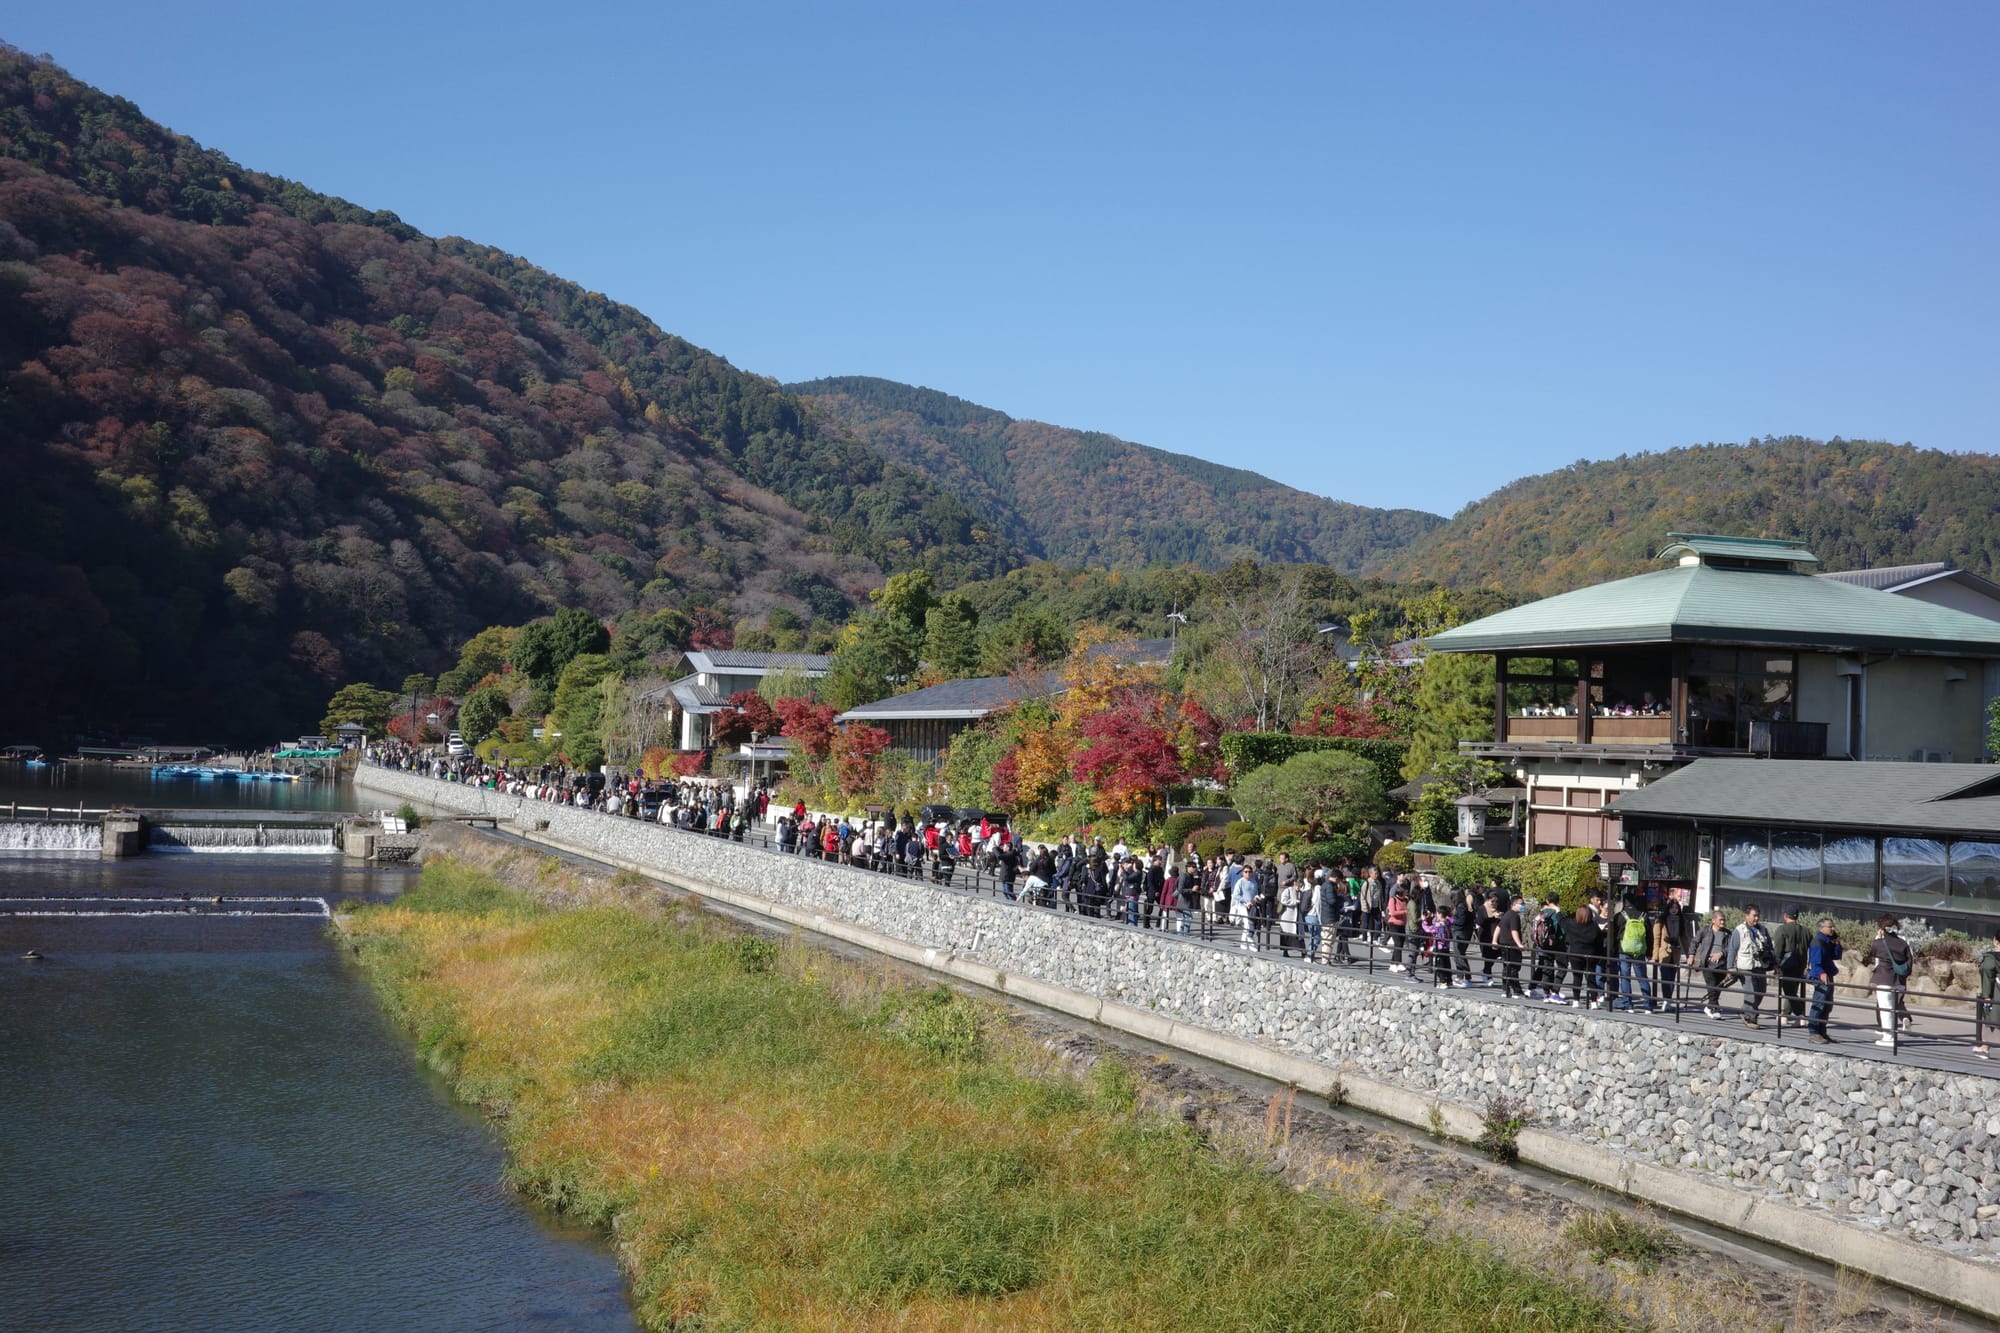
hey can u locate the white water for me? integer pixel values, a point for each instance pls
(22, 836)
(263, 840)
(183, 906)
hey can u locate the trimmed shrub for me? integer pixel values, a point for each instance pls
(1175, 830)
(1394, 856)
(1240, 837)
(1285, 838)
(1248, 751)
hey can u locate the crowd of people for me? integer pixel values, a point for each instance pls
(699, 804)
(1626, 954)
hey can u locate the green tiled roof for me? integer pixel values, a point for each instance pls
(1699, 603)
(1782, 549)
(1825, 793)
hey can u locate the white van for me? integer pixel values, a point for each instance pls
(454, 745)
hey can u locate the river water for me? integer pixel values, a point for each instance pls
(206, 1123)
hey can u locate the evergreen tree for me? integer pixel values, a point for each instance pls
(951, 638)
(1453, 702)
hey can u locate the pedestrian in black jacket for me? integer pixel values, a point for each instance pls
(1586, 949)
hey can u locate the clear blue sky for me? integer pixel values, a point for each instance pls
(1398, 254)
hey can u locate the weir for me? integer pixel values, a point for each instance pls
(121, 833)
(282, 839)
(46, 836)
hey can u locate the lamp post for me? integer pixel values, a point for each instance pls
(1174, 621)
(1471, 817)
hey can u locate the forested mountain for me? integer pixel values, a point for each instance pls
(255, 441)
(1855, 503)
(1085, 498)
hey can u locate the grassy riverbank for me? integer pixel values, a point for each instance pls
(784, 1139)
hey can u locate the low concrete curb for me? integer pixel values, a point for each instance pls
(1936, 1275)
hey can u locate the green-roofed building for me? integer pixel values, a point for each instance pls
(1733, 649)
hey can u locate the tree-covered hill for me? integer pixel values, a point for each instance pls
(255, 441)
(1855, 503)
(1085, 498)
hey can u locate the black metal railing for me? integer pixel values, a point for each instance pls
(1611, 983)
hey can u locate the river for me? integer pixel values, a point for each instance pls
(217, 1129)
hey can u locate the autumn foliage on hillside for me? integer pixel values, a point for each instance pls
(261, 441)
(1856, 504)
(1090, 498)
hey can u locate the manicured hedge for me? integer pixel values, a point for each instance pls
(1566, 877)
(1247, 751)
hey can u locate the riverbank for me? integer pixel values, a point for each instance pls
(782, 1139)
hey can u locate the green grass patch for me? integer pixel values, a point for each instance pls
(1606, 1235)
(787, 1140)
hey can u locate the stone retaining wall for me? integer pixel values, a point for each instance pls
(1898, 1151)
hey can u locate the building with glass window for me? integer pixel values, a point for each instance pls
(1735, 649)
(1841, 838)
(712, 676)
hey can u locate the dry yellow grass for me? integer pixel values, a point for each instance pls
(786, 1141)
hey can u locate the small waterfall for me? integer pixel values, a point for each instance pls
(263, 839)
(76, 836)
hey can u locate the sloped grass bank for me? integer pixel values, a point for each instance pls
(781, 1139)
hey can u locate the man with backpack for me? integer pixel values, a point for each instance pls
(1753, 956)
(1547, 938)
(1894, 959)
(1633, 939)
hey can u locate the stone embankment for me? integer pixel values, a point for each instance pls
(1879, 1167)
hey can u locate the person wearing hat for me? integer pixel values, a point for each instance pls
(1791, 941)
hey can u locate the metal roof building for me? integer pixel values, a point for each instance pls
(1827, 835)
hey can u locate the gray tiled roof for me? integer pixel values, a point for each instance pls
(1930, 798)
(694, 696)
(1889, 576)
(729, 659)
(955, 698)
(1142, 652)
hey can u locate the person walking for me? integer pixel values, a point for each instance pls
(1822, 965)
(1791, 941)
(1396, 921)
(1670, 944)
(1710, 956)
(1507, 935)
(1989, 978)
(1893, 959)
(1754, 957)
(1464, 927)
(1242, 894)
(1489, 926)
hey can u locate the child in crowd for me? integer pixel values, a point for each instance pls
(1437, 927)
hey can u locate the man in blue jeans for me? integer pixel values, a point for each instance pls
(1631, 941)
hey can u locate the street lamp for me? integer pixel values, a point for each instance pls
(1471, 817)
(1174, 621)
